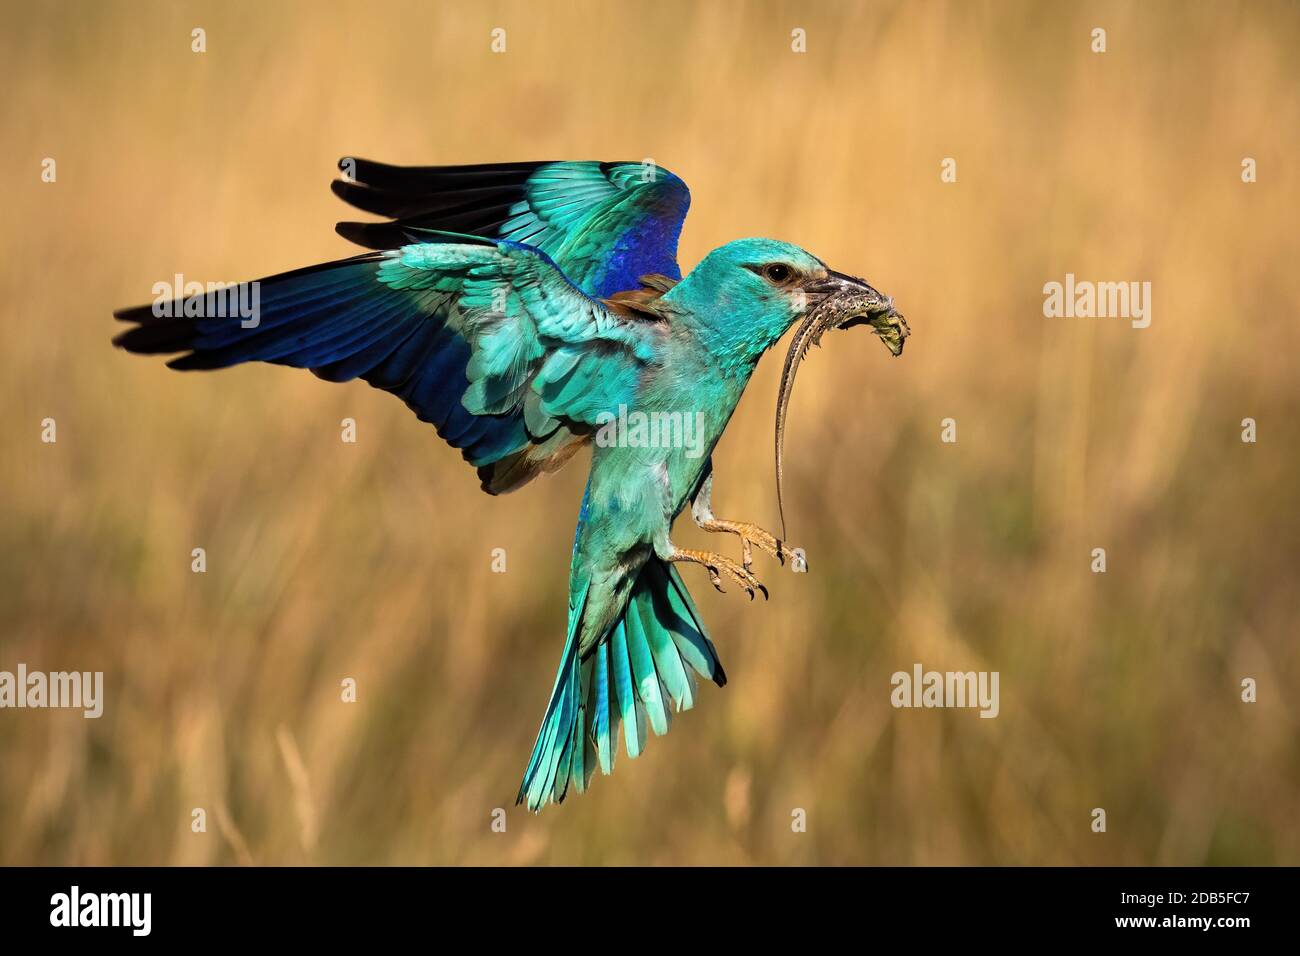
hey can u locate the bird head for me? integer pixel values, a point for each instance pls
(747, 294)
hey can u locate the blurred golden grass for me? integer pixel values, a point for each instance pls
(373, 561)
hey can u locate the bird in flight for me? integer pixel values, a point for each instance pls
(526, 310)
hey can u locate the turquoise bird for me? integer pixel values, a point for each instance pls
(526, 310)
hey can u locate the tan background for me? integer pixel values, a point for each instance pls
(372, 561)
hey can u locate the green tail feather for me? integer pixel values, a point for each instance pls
(649, 657)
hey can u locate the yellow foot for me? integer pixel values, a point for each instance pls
(752, 534)
(716, 565)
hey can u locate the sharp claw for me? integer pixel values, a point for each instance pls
(720, 565)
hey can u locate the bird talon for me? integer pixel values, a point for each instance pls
(752, 535)
(717, 565)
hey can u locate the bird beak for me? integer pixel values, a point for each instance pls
(842, 301)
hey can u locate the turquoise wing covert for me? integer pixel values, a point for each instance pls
(539, 345)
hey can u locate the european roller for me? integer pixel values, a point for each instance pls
(525, 310)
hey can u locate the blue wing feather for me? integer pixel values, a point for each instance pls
(457, 327)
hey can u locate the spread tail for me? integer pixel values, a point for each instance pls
(636, 676)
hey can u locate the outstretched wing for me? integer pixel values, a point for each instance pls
(604, 224)
(485, 339)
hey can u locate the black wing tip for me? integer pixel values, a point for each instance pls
(140, 314)
(368, 172)
(197, 362)
(388, 236)
(371, 235)
(367, 198)
(153, 335)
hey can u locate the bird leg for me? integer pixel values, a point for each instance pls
(749, 534)
(715, 563)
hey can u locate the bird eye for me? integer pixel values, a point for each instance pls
(776, 272)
